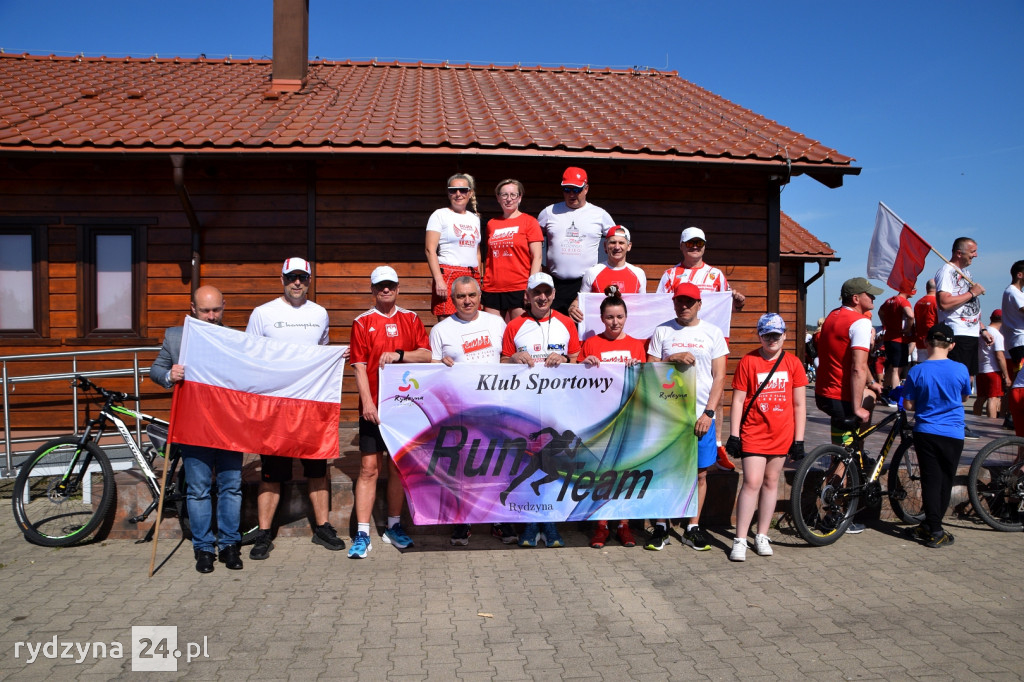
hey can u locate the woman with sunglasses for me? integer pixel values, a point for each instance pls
(513, 253)
(453, 242)
(613, 345)
(764, 427)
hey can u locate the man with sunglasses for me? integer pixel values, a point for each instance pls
(573, 231)
(292, 317)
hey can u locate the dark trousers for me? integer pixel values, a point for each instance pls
(938, 457)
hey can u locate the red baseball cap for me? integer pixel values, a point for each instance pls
(574, 177)
(686, 289)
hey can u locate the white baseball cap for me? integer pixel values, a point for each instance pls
(296, 265)
(692, 233)
(616, 229)
(539, 278)
(384, 273)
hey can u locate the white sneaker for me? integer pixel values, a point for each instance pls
(763, 545)
(739, 550)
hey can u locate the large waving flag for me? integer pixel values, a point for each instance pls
(897, 253)
(253, 394)
(647, 311)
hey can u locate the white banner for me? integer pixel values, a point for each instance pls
(647, 311)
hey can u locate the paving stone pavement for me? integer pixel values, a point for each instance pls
(872, 606)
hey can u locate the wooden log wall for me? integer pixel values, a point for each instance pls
(348, 214)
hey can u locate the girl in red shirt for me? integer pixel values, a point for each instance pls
(613, 345)
(763, 435)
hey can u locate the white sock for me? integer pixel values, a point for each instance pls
(691, 526)
(662, 524)
(363, 528)
(392, 520)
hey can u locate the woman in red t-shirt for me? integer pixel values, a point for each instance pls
(773, 428)
(613, 345)
(512, 252)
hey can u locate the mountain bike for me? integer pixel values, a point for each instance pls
(65, 489)
(832, 481)
(996, 483)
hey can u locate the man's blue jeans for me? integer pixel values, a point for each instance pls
(200, 462)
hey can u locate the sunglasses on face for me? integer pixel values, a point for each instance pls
(571, 190)
(771, 338)
(696, 243)
(296, 277)
(458, 190)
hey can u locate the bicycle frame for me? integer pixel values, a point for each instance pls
(122, 428)
(857, 447)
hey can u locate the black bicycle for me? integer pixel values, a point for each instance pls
(831, 482)
(996, 484)
(65, 489)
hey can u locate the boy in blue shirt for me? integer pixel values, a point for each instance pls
(935, 390)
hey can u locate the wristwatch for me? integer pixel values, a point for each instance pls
(401, 355)
(710, 413)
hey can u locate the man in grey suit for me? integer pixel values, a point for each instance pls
(200, 462)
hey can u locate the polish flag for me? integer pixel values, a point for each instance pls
(253, 394)
(647, 311)
(897, 253)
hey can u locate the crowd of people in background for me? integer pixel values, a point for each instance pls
(514, 291)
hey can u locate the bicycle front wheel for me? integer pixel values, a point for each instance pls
(63, 492)
(996, 483)
(905, 484)
(824, 496)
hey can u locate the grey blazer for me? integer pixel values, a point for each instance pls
(160, 372)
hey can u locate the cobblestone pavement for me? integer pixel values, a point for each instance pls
(872, 606)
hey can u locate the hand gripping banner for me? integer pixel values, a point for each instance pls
(488, 443)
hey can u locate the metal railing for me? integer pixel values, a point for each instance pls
(7, 383)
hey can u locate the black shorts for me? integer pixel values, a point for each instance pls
(965, 352)
(503, 300)
(275, 469)
(838, 410)
(566, 291)
(897, 353)
(370, 440)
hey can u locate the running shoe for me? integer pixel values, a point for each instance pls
(600, 536)
(695, 537)
(504, 532)
(326, 536)
(528, 538)
(397, 537)
(943, 539)
(550, 534)
(361, 546)
(460, 535)
(659, 538)
(855, 528)
(762, 545)
(722, 461)
(970, 435)
(261, 548)
(625, 535)
(739, 550)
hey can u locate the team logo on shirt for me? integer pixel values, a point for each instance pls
(472, 343)
(391, 330)
(467, 234)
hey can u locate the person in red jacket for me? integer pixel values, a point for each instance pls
(926, 314)
(897, 318)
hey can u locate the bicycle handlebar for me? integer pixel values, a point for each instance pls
(84, 384)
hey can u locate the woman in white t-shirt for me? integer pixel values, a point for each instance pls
(453, 242)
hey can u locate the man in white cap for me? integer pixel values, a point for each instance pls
(292, 317)
(572, 230)
(472, 336)
(693, 270)
(540, 334)
(382, 335)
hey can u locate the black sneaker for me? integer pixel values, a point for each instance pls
(262, 546)
(695, 537)
(943, 539)
(460, 535)
(658, 540)
(1008, 423)
(505, 533)
(970, 435)
(326, 536)
(920, 533)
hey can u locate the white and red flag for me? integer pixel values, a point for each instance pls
(253, 394)
(897, 253)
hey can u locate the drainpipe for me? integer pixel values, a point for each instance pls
(178, 161)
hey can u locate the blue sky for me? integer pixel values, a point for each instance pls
(927, 96)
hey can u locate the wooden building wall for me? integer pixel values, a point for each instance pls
(348, 213)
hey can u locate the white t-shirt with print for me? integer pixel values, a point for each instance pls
(704, 340)
(964, 321)
(573, 237)
(277, 319)
(476, 341)
(460, 237)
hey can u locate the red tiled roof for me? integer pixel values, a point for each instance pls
(796, 242)
(131, 103)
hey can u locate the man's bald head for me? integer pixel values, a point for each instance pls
(208, 305)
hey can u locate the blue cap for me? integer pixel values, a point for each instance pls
(771, 323)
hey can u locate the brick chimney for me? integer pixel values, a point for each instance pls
(291, 45)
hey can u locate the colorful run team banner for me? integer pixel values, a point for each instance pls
(647, 311)
(506, 442)
(253, 394)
